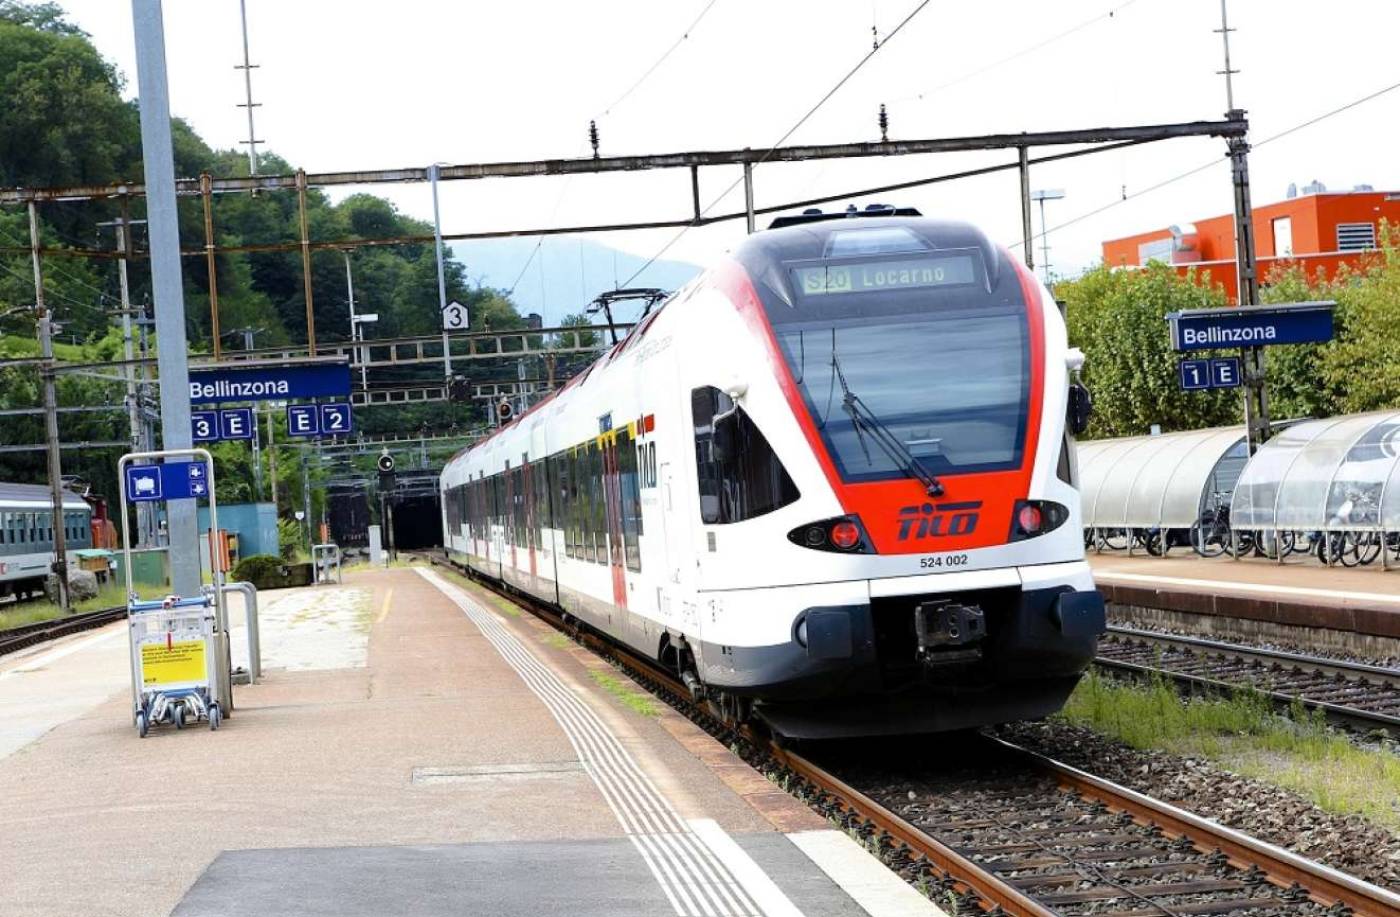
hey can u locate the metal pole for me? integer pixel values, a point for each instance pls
(247, 69)
(306, 263)
(306, 498)
(1256, 401)
(748, 197)
(206, 193)
(128, 351)
(163, 222)
(1044, 245)
(442, 283)
(1027, 233)
(272, 457)
(60, 547)
(356, 332)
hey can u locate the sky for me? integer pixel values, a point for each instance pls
(353, 84)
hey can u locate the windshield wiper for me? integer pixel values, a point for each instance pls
(865, 421)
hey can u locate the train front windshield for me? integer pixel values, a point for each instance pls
(918, 341)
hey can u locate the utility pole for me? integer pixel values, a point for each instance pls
(60, 546)
(122, 224)
(1042, 195)
(357, 333)
(442, 283)
(247, 69)
(1256, 398)
(1027, 232)
(171, 352)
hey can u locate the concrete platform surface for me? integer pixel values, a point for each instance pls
(414, 748)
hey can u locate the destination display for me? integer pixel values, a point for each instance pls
(875, 276)
(1251, 326)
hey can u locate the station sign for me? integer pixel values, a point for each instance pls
(170, 481)
(1200, 375)
(228, 423)
(455, 317)
(269, 383)
(331, 419)
(1251, 326)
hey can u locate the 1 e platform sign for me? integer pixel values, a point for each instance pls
(1202, 375)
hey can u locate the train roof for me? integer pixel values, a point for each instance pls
(36, 496)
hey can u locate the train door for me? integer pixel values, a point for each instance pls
(612, 503)
(527, 470)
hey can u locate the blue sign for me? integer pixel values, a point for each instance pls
(1218, 372)
(236, 423)
(204, 426)
(336, 419)
(303, 420)
(171, 481)
(1251, 326)
(1195, 375)
(1225, 372)
(269, 383)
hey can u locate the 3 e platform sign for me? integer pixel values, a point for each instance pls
(167, 661)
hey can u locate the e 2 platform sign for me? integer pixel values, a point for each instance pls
(1200, 375)
(333, 419)
(170, 481)
(1251, 326)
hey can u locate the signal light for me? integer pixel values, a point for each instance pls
(1033, 518)
(845, 535)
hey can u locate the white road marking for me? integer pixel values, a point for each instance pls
(880, 892)
(693, 878)
(39, 662)
(1262, 588)
(762, 889)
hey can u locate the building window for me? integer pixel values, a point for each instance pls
(744, 480)
(1356, 237)
(1283, 237)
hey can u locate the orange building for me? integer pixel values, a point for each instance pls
(1317, 229)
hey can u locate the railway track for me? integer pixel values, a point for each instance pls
(1033, 839)
(17, 638)
(1359, 696)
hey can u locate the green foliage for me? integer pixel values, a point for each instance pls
(1118, 319)
(291, 540)
(257, 567)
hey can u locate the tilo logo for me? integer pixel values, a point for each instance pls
(930, 520)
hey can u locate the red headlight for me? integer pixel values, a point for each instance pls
(1029, 519)
(845, 535)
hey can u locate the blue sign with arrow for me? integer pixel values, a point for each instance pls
(170, 481)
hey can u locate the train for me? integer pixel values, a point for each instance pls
(829, 483)
(27, 537)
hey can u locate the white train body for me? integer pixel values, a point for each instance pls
(714, 491)
(26, 535)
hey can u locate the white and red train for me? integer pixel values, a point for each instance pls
(829, 482)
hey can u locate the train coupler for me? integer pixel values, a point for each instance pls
(946, 631)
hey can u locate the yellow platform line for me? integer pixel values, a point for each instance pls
(384, 610)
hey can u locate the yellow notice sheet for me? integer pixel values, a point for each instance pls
(172, 663)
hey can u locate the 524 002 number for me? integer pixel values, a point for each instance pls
(942, 561)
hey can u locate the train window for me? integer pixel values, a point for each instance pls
(747, 479)
(540, 480)
(596, 542)
(631, 500)
(1064, 469)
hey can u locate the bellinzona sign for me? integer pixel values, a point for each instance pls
(1251, 326)
(269, 383)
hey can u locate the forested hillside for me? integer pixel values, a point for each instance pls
(63, 120)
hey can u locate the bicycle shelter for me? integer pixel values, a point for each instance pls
(1158, 482)
(1339, 474)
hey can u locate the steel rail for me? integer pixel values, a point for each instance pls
(1359, 674)
(18, 638)
(1323, 885)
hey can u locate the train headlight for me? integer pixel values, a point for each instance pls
(843, 535)
(1036, 517)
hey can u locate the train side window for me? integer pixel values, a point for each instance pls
(597, 529)
(1064, 469)
(631, 500)
(744, 480)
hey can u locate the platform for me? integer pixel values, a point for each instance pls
(414, 748)
(1364, 601)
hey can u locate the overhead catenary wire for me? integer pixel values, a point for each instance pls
(1124, 198)
(786, 134)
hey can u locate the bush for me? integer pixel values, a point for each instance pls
(259, 567)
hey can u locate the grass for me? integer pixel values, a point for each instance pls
(34, 612)
(1244, 733)
(633, 699)
(558, 641)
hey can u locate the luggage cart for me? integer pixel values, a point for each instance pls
(175, 662)
(180, 665)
